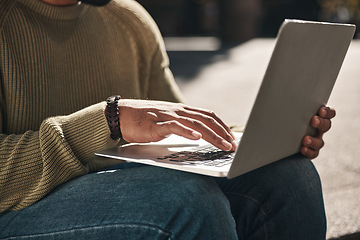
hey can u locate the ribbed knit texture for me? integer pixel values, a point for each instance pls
(57, 65)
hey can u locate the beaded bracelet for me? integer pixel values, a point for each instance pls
(112, 116)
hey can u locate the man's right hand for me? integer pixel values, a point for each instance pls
(150, 121)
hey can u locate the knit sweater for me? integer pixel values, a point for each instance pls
(57, 66)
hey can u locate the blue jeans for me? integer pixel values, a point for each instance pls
(280, 201)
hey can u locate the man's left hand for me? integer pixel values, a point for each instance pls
(322, 122)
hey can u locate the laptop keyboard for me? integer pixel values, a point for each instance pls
(207, 155)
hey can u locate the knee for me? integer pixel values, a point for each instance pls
(288, 197)
(194, 195)
(189, 206)
(299, 194)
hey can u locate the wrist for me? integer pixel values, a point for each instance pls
(112, 116)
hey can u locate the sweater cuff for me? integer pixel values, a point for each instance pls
(87, 132)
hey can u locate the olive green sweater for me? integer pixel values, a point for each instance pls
(57, 66)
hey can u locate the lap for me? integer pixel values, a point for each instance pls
(146, 202)
(155, 203)
(282, 201)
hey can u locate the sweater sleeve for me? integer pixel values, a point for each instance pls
(34, 163)
(162, 84)
(157, 81)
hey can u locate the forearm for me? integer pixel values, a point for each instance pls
(34, 163)
(27, 172)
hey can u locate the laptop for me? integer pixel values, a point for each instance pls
(299, 78)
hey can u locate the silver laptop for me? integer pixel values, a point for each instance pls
(299, 79)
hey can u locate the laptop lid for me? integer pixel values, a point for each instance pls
(300, 76)
(299, 79)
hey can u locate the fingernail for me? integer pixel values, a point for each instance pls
(322, 112)
(305, 150)
(232, 135)
(196, 134)
(308, 141)
(234, 145)
(316, 122)
(226, 144)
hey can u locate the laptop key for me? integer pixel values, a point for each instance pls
(208, 156)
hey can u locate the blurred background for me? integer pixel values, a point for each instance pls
(219, 51)
(234, 21)
(199, 32)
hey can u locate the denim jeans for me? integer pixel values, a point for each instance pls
(279, 201)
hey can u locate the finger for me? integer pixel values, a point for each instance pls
(164, 129)
(176, 124)
(211, 120)
(209, 134)
(308, 152)
(322, 124)
(313, 143)
(327, 112)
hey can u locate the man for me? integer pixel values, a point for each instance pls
(59, 61)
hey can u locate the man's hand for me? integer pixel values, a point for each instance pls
(151, 121)
(322, 122)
